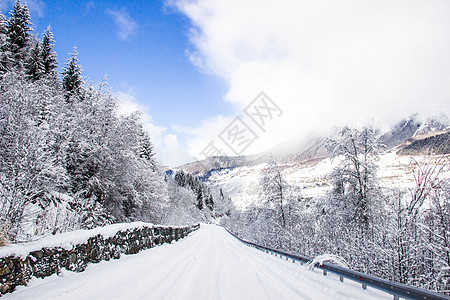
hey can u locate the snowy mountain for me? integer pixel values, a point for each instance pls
(402, 131)
(306, 163)
(214, 163)
(312, 147)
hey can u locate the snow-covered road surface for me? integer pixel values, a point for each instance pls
(209, 264)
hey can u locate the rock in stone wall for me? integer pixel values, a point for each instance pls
(16, 270)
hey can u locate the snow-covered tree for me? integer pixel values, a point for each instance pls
(49, 58)
(274, 189)
(29, 168)
(355, 181)
(18, 34)
(145, 149)
(66, 163)
(34, 68)
(181, 208)
(437, 224)
(3, 48)
(72, 81)
(3, 31)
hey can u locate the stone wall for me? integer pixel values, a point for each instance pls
(18, 270)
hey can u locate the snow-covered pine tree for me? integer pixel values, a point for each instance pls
(209, 202)
(49, 58)
(72, 80)
(200, 199)
(3, 32)
(146, 147)
(34, 67)
(18, 34)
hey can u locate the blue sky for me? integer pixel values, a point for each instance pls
(194, 66)
(146, 59)
(141, 46)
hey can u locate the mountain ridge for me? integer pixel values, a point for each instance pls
(312, 147)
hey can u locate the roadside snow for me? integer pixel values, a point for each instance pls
(334, 259)
(68, 239)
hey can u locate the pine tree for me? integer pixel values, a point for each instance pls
(146, 147)
(18, 34)
(49, 58)
(3, 32)
(34, 68)
(209, 202)
(72, 80)
(199, 199)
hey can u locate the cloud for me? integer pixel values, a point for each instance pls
(89, 7)
(174, 155)
(3, 5)
(126, 26)
(167, 149)
(36, 7)
(324, 63)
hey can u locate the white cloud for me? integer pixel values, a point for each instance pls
(167, 149)
(36, 7)
(174, 155)
(3, 6)
(126, 26)
(325, 63)
(89, 7)
(207, 132)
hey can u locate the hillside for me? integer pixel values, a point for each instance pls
(438, 143)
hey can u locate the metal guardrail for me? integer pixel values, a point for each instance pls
(396, 289)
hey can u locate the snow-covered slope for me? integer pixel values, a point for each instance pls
(305, 162)
(242, 184)
(210, 264)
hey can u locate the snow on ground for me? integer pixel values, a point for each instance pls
(209, 264)
(243, 186)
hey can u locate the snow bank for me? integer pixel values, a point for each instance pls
(334, 259)
(68, 239)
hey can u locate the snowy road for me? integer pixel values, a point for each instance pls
(209, 264)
